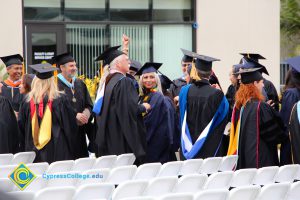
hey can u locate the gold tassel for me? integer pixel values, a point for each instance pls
(23, 69)
(101, 68)
(194, 74)
(55, 74)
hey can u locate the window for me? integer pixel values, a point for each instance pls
(42, 10)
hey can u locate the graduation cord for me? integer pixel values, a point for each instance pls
(257, 134)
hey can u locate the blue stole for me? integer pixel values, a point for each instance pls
(190, 150)
(67, 83)
(99, 100)
(298, 110)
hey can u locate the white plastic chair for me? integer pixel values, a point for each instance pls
(83, 164)
(297, 175)
(6, 170)
(220, 180)
(105, 162)
(170, 169)
(190, 183)
(124, 160)
(294, 193)
(61, 193)
(94, 191)
(24, 157)
(147, 171)
(60, 166)
(177, 197)
(276, 191)
(22, 195)
(121, 174)
(140, 198)
(211, 165)
(130, 189)
(70, 179)
(191, 166)
(244, 193)
(37, 184)
(95, 176)
(220, 194)
(6, 185)
(265, 175)
(5, 159)
(228, 163)
(243, 177)
(38, 168)
(160, 186)
(287, 173)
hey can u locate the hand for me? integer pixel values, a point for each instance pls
(81, 119)
(176, 100)
(147, 106)
(216, 86)
(125, 41)
(271, 103)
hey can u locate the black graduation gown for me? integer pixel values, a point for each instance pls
(289, 98)
(202, 104)
(158, 133)
(9, 132)
(294, 130)
(258, 147)
(120, 127)
(83, 101)
(175, 89)
(230, 96)
(64, 138)
(13, 95)
(271, 93)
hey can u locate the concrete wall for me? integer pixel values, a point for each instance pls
(11, 31)
(229, 27)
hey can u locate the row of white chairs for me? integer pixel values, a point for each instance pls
(101, 191)
(81, 164)
(14, 159)
(147, 172)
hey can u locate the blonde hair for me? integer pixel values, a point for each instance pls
(42, 87)
(157, 80)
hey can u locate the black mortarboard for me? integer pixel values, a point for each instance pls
(294, 63)
(135, 65)
(250, 75)
(12, 59)
(186, 56)
(253, 56)
(247, 63)
(43, 71)
(148, 68)
(109, 55)
(62, 59)
(165, 81)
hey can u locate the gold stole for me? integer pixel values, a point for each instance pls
(234, 135)
(41, 134)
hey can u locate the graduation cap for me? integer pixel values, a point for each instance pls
(62, 59)
(247, 63)
(165, 81)
(149, 67)
(250, 75)
(43, 71)
(109, 55)
(253, 56)
(294, 63)
(135, 65)
(186, 56)
(12, 59)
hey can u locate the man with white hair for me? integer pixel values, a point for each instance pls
(120, 127)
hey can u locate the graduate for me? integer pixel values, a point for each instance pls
(203, 113)
(230, 94)
(10, 88)
(157, 121)
(134, 67)
(256, 128)
(46, 120)
(294, 133)
(9, 132)
(80, 99)
(120, 127)
(290, 97)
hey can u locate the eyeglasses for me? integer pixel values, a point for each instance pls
(185, 64)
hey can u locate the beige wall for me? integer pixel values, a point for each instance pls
(11, 34)
(228, 27)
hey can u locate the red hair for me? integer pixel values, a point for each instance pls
(246, 92)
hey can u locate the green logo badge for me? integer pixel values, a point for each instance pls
(22, 176)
